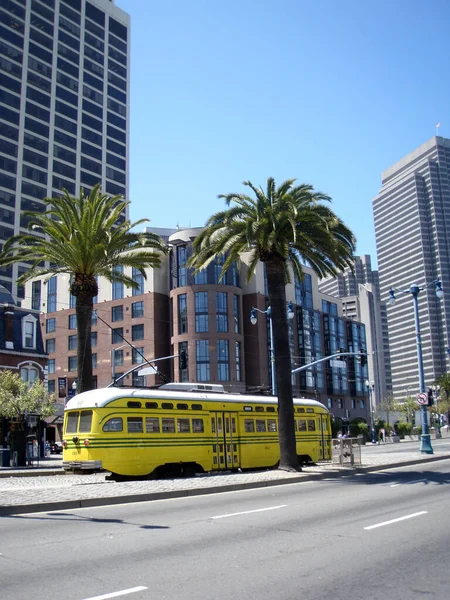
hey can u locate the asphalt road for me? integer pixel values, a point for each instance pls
(372, 536)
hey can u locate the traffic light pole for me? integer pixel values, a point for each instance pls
(321, 360)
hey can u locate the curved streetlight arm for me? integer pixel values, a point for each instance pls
(321, 360)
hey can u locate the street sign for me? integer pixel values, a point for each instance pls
(422, 399)
(340, 364)
(147, 371)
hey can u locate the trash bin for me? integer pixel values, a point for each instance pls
(5, 457)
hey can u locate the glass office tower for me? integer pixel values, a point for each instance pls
(64, 92)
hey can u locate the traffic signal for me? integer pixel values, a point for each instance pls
(183, 360)
(430, 397)
(362, 358)
(341, 351)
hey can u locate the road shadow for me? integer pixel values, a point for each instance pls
(416, 477)
(66, 516)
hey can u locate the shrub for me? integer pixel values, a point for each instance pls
(403, 429)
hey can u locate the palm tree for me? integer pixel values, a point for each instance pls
(84, 237)
(280, 227)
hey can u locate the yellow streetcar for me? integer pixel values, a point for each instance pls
(171, 431)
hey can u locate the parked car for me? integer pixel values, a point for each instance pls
(56, 448)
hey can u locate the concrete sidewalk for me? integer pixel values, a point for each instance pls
(45, 493)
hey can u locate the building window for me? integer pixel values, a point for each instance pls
(93, 338)
(223, 364)
(340, 403)
(362, 404)
(72, 342)
(202, 359)
(137, 332)
(201, 312)
(218, 265)
(138, 381)
(51, 385)
(94, 316)
(50, 345)
(117, 335)
(36, 295)
(51, 366)
(50, 326)
(182, 314)
(72, 363)
(29, 374)
(118, 358)
(117, 313)
(139, 279)
(94, 360)
(201, 277)
(183, 368)
(51, 295)
(29, 332)
(221, 312)
(137, 310)
(330, 403)
(234, 275)
(138, 356)
(237, 314)
(117, 286)
(237, 347)
(353, 403)
(181, 261)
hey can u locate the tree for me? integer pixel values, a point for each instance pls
(84, 237)
(408, 407)
(280, 227)
(387, 405)
(17, 400)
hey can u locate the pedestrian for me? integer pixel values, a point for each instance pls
(47, 448)
(339, 435)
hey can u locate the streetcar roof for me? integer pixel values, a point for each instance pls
(103, 396)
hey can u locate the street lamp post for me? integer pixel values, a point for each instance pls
(437, 396)
(370, 385)
(253, 321)
(414, 289)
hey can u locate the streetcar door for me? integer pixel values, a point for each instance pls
(225, 450)
(324, 443)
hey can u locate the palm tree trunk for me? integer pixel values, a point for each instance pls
(84, 307)
(286, 423)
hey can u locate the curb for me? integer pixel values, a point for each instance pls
(148, 497)
(30, 473)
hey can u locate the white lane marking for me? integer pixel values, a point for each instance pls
(121, 593)
(248, 512)
(408, 482)
(417, 514)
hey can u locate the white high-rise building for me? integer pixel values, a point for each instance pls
(64, 106)
(412, 222)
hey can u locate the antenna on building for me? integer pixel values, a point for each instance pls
(437, 128)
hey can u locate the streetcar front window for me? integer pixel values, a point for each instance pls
(72, 422)
(85, 421)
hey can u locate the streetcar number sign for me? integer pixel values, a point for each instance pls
(422, 399)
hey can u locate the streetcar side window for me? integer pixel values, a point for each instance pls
(249, 425)
(134, 425)
(301, 410)
(184, 426)
(72, 422)
(271, 409)
(213, 425)
(85, 421)
(301, 425)
(114, 424)
(197, 426)
(260, 425)
(182, 406)
(152, 425)
(168, 425)
(311, 425)
(271, 425)
(132, 404)
(151, 405)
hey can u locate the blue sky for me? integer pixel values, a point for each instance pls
(329, 92)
